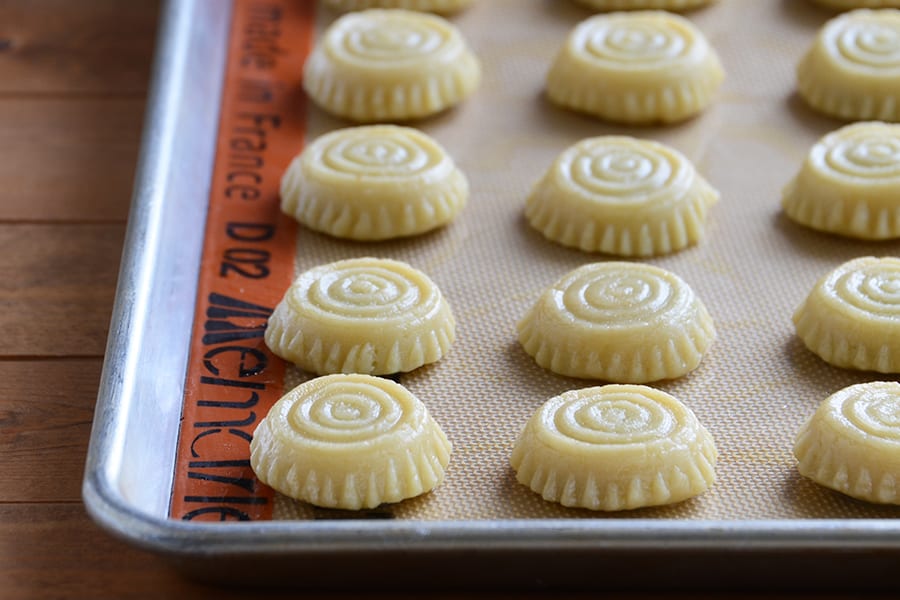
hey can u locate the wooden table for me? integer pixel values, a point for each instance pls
(73, 80)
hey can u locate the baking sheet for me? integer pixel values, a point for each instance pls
(752, 391)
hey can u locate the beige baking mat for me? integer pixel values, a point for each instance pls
(757, 384)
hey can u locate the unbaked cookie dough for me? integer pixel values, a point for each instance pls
(853, 67)
(636, 67)
(618, 321)
(373, 183)
(850, 183)
(851, 318)
(435, 6)
(852, 443)
(386, 65)
(351, 442)
(363, 315)
(615, 447)
(604, 5)
(623, 196)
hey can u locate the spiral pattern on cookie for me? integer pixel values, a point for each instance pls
(648, 40)
(621, 295)
(612, 415)
(867, 151)
(378, 152)
(863, 40)
(379, 291)
(872, 409)
(375, 38)
(349, 441)
(345, 411)
(619, 169)
(870, 286)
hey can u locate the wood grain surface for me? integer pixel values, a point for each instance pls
(73, 82)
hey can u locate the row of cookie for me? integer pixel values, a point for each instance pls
(356, 441)
(396, 65)
(614, 194)
(640, 67)
(614, 321)
(647, 67)
(849, 185)
(611, 194)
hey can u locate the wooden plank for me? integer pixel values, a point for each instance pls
(46, 408)
(57, 284)
(59, 46)
(68, 159)
(55, 551)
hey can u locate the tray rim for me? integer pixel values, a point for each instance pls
(110, 508)
(602, 534)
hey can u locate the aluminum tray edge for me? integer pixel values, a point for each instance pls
(141, 386)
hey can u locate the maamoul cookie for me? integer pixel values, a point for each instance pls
(851, 4)
(638, 67)
(621, 195)
(384, 65)
(604, 5)
(852, 443)
(618, 321)
(615, 447)
(850, 183)
(851, 318)
(349, 441)
(363, 315)
(373, 183)
(853, 67)
(435, 6)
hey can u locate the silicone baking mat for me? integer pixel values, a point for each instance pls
(753, 390)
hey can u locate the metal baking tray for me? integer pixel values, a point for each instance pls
(129, 469)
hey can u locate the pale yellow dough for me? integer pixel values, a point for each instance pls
(853, 67)
(851, 318)
(349, 441)
(386, 65)
(604, 5)
(637, 67)
(373, 183)
(618, 321)
(615, 447)
(852, 443)
(364, 315)
(435, 6)
(621, 195)
(850, 183)
(851, 4)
